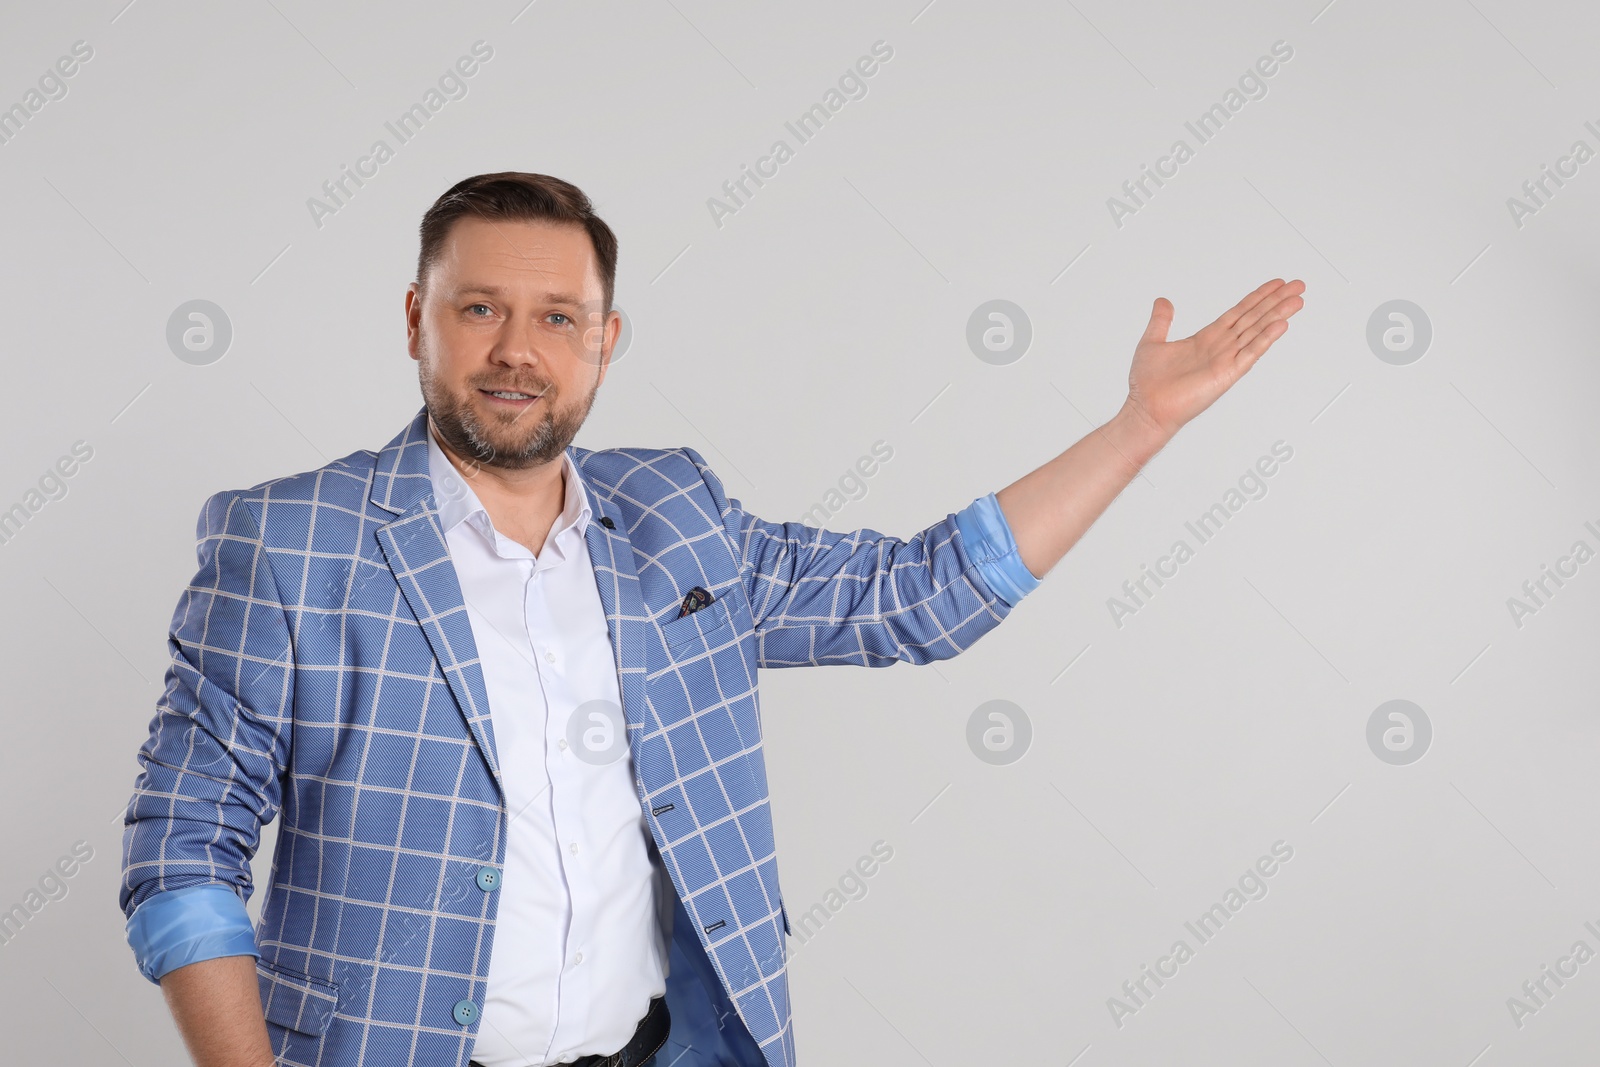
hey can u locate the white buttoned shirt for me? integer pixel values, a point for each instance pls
(579, 949)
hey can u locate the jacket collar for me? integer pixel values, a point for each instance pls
(458, 501)
(414, 546)
(402, 479)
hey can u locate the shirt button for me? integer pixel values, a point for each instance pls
(549, 657)
(574, 848)
(561, 743)
(465, 1012)
(578, 958)
(488, 879)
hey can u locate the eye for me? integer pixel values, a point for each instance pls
(559, 315)
(472, 309)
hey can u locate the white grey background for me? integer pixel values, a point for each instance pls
(828, 313)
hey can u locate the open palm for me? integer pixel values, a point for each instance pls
(1173, 381)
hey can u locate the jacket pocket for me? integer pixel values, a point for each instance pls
(708, 624)
(296, 1001)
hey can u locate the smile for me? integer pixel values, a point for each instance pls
(509, 397)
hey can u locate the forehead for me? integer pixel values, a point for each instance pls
(513, 252)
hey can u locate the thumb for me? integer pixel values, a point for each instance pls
(1160, 321)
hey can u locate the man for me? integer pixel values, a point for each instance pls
(501, 692)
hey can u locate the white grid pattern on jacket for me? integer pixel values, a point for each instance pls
(323, 671)
(578, 943)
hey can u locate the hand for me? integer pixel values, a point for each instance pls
(1173, 381)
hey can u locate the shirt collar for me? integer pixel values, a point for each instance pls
(458, 503)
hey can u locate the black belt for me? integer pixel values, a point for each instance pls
(646, 1041)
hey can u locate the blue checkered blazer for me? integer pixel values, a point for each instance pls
(323, 673)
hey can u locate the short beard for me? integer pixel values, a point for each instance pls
(461, 428)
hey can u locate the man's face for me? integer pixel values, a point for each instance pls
(510, 308)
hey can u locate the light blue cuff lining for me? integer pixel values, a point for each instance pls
(988, 540)
(183, 926)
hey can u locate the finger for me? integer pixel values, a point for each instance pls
(1282, 309)
(1259, 344)
(1272, 306)
(1253, 336)
(1232, 315)
(1160, 321)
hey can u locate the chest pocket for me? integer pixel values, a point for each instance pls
(709, 627)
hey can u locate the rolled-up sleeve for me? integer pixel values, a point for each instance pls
(184, 926)
(862, 597)
(993, 549)
(214, 761)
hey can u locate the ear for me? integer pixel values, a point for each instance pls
(413, 319)
(608, 343)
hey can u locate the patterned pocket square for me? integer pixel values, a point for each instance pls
(694, 600)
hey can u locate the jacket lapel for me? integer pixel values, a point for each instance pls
(416, 551)
(611, 553)
(415, 548)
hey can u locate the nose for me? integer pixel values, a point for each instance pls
(517, 344)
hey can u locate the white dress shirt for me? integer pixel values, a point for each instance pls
(579, 949)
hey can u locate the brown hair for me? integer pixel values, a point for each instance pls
(517, 196)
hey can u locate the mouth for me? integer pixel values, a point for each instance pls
(510, 398)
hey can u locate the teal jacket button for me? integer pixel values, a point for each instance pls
(488, 879)
(465, 1012)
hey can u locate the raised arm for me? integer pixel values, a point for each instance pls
(866, 598)
(1171, 382)
(862, 597)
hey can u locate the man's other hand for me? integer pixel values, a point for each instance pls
(1173, 381)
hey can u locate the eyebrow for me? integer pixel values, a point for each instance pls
(495, 290)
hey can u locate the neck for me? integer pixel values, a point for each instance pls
(523, 504)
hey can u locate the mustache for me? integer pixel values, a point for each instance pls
(513, 387)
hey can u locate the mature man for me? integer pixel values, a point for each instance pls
(501, 691)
